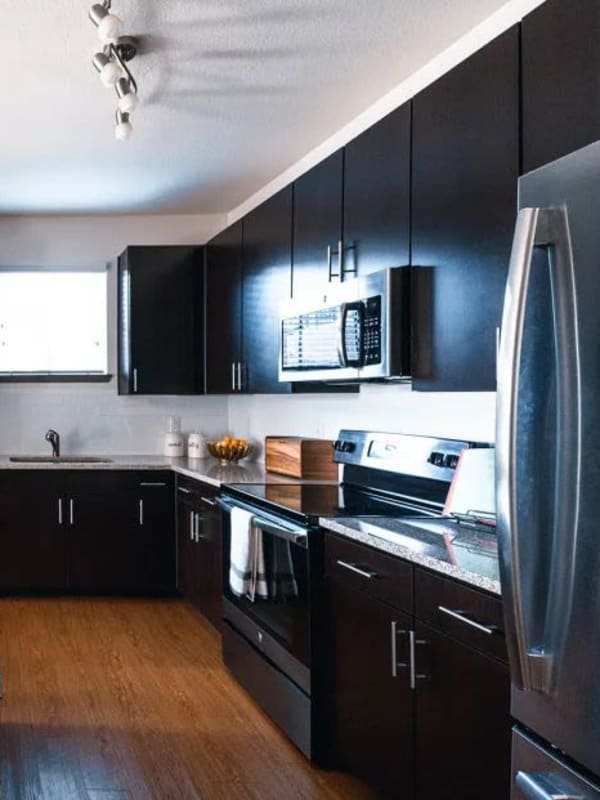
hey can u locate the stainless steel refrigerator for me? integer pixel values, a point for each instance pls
(548, 480)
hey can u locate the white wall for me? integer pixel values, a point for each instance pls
(92, 418)
(393, 408)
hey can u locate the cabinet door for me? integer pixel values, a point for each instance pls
(372, 717)
(377, 196)
(465, 170)
(561, 79)
(223, 310)
(317, 226)
(160, 320)
(99, 517)
(187, 552)
(463, 721)
(209, 537)
(32, 531)
(151, 499)
(267, 282)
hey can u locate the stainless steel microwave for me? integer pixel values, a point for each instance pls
(360, 331)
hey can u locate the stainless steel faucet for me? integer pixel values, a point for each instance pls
(54, 439)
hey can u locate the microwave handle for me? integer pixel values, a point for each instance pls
(342, 349)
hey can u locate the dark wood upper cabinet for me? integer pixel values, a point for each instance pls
(224, 310)
(267, 278)
(561, 79)
(377, 196)
(160, 320)
(317, 226)
(463, 721)
(465, 171)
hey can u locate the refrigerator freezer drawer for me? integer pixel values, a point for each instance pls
(539, 774)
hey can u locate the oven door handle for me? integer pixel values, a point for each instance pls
(295, 535)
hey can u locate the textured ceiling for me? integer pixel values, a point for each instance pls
(233, 91)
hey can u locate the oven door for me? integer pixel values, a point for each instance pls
(284, 614)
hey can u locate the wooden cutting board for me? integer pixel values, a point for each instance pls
(310, 459)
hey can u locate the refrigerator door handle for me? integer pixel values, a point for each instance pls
(533, 664)
(543, 787)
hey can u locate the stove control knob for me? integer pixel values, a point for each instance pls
(342, 446)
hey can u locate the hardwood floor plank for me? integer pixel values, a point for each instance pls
(109, 699)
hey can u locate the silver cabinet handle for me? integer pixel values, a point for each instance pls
(341, 260)
(460, 616)
(60, 511)
(542, 787)
(233, 376)
(198, 534)
(208, 502)
(141, 512)
(71, 512)
(192, 525)
(329, 260)
(240, 377)
(363, 573)
(183, 490)
(135, 380)
(414, 675)
(394, 648)
(150, 484)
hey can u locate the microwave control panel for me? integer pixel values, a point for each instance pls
(372, 331)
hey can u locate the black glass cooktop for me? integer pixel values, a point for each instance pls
(315, 500)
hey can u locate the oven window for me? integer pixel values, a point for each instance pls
(285, 611)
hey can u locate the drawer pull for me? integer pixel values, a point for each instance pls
(150, 484)
(208, 501)
(459, 615)
(363, 573)
(184, 490)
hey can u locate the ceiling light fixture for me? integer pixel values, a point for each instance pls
(111, 64)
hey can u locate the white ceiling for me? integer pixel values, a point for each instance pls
(234, 91)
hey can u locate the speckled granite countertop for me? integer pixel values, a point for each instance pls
(205, 469)
(464, 553)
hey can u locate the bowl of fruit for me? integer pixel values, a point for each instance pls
(229, 450)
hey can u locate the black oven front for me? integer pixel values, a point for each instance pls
(290, 567)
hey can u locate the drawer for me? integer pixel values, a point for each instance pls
(465, 614)
(195, 492)
(359, 567)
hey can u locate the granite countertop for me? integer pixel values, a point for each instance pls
(462, 552)
(208, 470)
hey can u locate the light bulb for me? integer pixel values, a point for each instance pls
(110, 73)
(124, 127)
(128, 99)
(109, 27)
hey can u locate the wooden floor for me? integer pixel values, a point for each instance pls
(128, 700)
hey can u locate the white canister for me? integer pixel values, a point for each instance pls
(196, 445)
(174, 441)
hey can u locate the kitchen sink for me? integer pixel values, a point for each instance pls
(59, 460)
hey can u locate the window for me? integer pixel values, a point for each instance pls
(53, 322)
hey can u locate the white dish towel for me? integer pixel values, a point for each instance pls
(247, 557)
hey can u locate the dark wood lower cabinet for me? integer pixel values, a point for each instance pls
(372, 716)
(462, 721)
(200, 565)
(87, 531)
(434, 725)
(33, 543)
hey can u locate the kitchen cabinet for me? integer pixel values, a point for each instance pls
(200, 565)
(317, 227)
(463, 721)
(560, 79)
(161, 320)
(420, 698)
(464, 202)
(87, 531)
(224, 311)
(33, 542)
(376, 228)
(267, 277)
